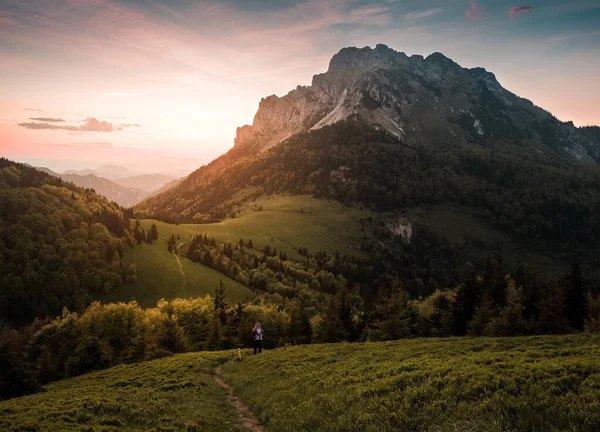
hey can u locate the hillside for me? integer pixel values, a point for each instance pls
(456, 384)
(58, 244)
(544, 206)
(163, 274)
(171, 394)
(283, 223)
(547, 383)
(147, 182)
(123, 195)
(402, 136)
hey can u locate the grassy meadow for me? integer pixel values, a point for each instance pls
(549, 383)
(171, 394)
(284, 223)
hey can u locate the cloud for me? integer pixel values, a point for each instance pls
(518, 9)
(32, 109)
(423, 13)
(92, 124)
(47, 119)
(476, 10)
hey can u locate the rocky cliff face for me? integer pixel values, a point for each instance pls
(426, 101)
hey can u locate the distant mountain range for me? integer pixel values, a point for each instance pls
(146, 182)
(105, 180)
(111, 172)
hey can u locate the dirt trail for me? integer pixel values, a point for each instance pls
(176, 254)
(248, 421)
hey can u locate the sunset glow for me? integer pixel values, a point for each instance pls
(190, 73)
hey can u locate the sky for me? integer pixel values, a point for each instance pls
(159, 85)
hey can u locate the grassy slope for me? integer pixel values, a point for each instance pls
(548, 383)
(159, 275)
(160, 395)
(291, 221)
(322, 225)
(457, 384)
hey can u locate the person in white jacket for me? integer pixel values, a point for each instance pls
(257, 337)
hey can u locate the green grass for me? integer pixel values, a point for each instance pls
(169, 394)
(285, 223)
(159, 274)
(549, 383)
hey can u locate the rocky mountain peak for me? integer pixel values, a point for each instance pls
(354, 58)
(426, 101)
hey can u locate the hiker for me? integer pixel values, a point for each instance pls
(257, 337)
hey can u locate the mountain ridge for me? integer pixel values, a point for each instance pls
(425, 100)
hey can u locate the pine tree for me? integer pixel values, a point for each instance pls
(137, 234)
(575, 297)
(394, 317)
(215, 338)
(170, 334)
(551, 318)
(332, 328)
(154, 232)
(511, 320)
(467, 299)
(220, 303)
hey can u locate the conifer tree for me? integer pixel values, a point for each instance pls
(575, 297)
(220, 303)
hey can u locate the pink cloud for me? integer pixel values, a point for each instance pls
(91, 125)
(518, 9)
(476, 11)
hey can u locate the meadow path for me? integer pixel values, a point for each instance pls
(248, 420)
(176, 254)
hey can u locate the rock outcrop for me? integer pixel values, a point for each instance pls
(426, 101)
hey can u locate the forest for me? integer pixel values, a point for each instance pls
(58, 244)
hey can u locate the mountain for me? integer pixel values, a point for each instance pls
(414, 139)
(146, 182)
(111, 172)
(122, 195)
(425, 101)
(166, 187)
